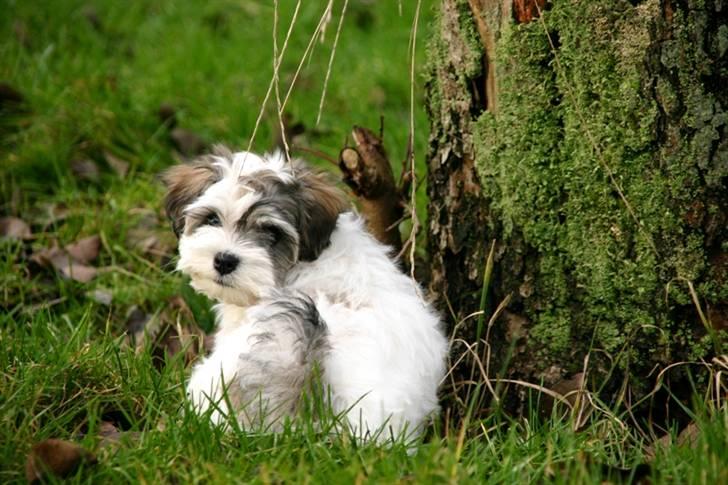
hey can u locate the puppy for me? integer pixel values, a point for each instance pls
(299, 284)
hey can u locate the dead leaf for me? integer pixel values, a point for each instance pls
(179, 333)
(85, 169)
(92, 16)
(167, 114)
(54, 457)
(149, 218)
(687, 437)
(78, 272)
(14, 228)
(85, 250)
(136, 326)
(151, 241)
(187, 143)
(71, 261)
(146, 243)
(121, 167)
(516, 326)
(20, 29)
(111, 437)
(45, 256)
(570, 388)
(172, 332)
(54, 212)
(103, 297)
(108, 430)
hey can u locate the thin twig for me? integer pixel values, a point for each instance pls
(331, 62)
(307, 52)
(413, 197)
(277, 63)
(276, 79)
(542, 389)
(316, 153)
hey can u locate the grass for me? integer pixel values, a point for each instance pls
(93, 82)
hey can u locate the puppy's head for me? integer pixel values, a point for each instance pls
(244, 221)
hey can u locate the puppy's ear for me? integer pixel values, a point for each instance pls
(321, 202)
(185, 183)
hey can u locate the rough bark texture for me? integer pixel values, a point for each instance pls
(590, 142)
(458, 212)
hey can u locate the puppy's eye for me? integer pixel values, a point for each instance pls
(273, 234)
(212, 219)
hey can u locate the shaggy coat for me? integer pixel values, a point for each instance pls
(299, 282)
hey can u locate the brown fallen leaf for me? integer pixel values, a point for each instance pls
(152, 242)
(187, 143)
(79, 272)
(71, 261)
(121, 167)
(85, 250)
(14, 228)
(73, 270)
(167, 114)
(92, 17)
(172, 331)
(144, 242)
(572, 389)
(112, 437)
(107, 430)
(52, 213)
(136, 326)
(85, 169)
(687, 437)
(20, 29)
(148, 218)
(55, 458)
(103, 297)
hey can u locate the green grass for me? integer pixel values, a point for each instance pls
(63, 378)
(65, 367)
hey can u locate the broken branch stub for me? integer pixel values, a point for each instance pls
(367, 171)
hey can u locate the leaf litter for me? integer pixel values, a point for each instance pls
(14, 228)
(73, 260)
(55, 458)
(167, 333)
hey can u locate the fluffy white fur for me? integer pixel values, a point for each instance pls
(384, 352)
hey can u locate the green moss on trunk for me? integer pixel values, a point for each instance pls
(608, 156)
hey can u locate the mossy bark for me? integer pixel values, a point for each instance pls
(591, 143)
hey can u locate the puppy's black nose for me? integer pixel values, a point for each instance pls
(225, 263)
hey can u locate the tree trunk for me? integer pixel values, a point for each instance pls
(589, 140)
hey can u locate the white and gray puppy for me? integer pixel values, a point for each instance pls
(299, 281)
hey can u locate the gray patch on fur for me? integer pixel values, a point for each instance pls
(308, 203)
(270, 228)
(272, 375)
